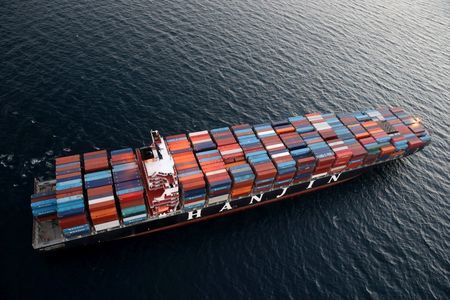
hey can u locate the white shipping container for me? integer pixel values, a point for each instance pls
(280, 154)
(100, 200)
(216, 172)
(107, 225)
(262, 133)
(202, 141)
(322, 126)
(232, 151)
(218, 199)
(335, 143)
(315, 118)
(199, 133)
(340, 148)
(274, 146)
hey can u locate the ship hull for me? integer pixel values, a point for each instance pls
(206, 213)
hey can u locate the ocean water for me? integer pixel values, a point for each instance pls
(82, 75)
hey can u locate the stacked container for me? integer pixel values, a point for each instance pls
(292, 141)
(128, 186)
(405, 117)
(43, 205)
(343, 153)
(358, 132)
(379, 140)
(69, 197)
(334, 132)
(201, 141)
(98, 181)
(398, 129)
(243, 179)
(122, 156)
(373, 149)
(342, 132)
(227, 145)
(257, 157)
(322, 152)
(286, 168)
(190, 177)
(98, 178)
(264, 170)
(283, 126)
(223, 136)
(378, 133)
(358, 153)
(191, 180)
(420, 138)
(178, 143)
(385, 113)
(95, 161)
(305, 168)
(370, 127)
(301, 124)
(217, 178)
(406, 141)
(273, 144)
(281, 158)
(303, 156)
(361, 116)
(304, 162)
(321, 126)
(264, 130)
(232, 154)
(102, 207)
(247, 140)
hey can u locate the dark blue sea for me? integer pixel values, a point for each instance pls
(82, 75)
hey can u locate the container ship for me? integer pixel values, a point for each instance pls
(186, 178)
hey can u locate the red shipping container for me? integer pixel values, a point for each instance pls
(63, 176)
(72, 221)
(67, 159)
(130, 196)
(69, 192)
(102, 205)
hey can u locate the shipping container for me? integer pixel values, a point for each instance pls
(217, 179)
(223, 136)
(95, 161)
(70, 207)
(43, 204)
(242, 180)
(201, 141)
(128, 188)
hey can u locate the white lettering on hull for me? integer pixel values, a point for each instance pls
(194, 214)
(282, 193)
(334, 177)
(256, 198)
(227, 206)
(310, 184)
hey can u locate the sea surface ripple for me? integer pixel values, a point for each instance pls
(82, 75)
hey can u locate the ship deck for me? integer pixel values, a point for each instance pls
(46, 233)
